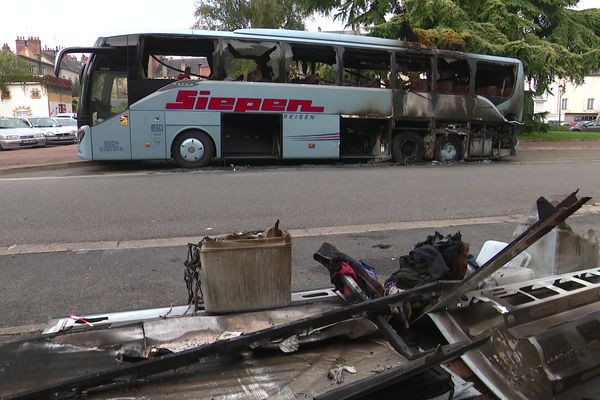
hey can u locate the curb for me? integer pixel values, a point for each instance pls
(41, 167)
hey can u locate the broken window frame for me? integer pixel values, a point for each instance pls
(376, 75)
(503, 74)
(453, 75)
(162, 49)
(413, 71)
(304, 70)
(258, 60)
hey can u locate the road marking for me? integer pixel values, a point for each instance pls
(82, 247)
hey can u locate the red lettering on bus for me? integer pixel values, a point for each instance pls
(247, 104)
(221, 103)
(304, 106)
(184, 101)
(274, 105)
(201, 100)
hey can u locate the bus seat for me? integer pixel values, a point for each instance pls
(420, 85)
(481, 90)
(492, 91)
(444, 86)
(461, 88)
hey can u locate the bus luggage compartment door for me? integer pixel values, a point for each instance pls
(311, 136)
(148, 135)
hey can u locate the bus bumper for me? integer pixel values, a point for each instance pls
(85, 143)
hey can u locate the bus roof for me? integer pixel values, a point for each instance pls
(336, 39)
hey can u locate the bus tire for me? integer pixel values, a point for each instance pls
(448, 148)
(408, 148)
(193, 149)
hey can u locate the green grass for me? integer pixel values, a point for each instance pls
(554, 136)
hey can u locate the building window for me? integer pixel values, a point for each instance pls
(35, 94)
(564, 103)
(590, 104)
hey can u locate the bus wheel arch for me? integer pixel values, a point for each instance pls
(449, 148)
(193, 148)
(408, 147)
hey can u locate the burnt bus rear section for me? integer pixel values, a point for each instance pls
(450, 106)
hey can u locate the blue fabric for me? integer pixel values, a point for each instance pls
(370, 270)
(471, 261)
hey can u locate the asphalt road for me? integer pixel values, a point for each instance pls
(131, 214)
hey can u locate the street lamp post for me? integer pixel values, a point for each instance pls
(561, 87)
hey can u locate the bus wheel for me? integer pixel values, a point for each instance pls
(193, 149)
(407, 148)
(448, 148)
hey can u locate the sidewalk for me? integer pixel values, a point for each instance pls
(560, 145)
(56, 157)
(48, 157)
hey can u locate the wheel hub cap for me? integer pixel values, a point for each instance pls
(191, 150)
(448, 152)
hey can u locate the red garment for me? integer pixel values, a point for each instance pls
(182, 76)
(345, 269)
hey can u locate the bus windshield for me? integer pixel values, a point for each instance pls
(108, 87)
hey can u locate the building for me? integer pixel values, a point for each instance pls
(43, 94)
(41, 97)
(567, 102)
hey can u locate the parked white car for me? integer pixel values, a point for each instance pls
(54, 132)
(16, 134)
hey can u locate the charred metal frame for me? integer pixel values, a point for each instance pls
(176, 360)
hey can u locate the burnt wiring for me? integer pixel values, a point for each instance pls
(191, 274)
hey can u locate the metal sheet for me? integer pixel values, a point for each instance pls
(545, 336)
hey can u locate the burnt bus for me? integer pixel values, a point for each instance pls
(278, 94)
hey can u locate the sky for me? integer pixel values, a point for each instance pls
(78, 23)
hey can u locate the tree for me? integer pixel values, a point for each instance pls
(548, 36)
(236, 14)
(11, 67)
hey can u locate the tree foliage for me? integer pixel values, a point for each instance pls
(11, 65)
(548, 36)
(236, 14)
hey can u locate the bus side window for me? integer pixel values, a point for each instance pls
(453, 76)
(311, 65)
(252, 61)
(366, 68)
(168, 58)
(413, 72)
(494, 80)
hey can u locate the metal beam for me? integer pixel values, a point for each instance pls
(549, 217)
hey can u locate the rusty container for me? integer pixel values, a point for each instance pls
(246, 274)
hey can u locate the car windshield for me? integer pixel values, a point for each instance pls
(67, 121)
(11, 123)
(44, 122)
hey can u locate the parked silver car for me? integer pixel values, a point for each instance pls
(589, 126)
(16, 134)
(54, 132)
